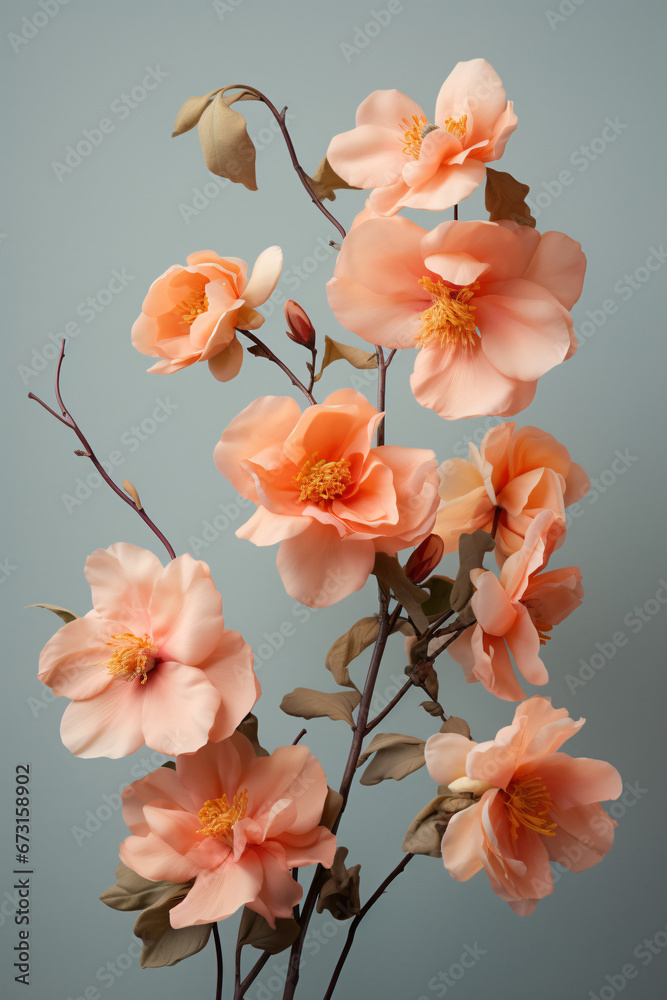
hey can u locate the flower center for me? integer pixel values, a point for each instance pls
(413, 134)
(528, 804)
(218, 817)
(322, 481)
(451, 317)
(133, 656)
(194, 306)
(456, 127)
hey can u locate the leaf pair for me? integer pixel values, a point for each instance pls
(228, 149)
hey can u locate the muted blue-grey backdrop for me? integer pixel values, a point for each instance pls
(82, 239)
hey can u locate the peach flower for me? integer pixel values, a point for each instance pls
(486, 304)
(516, 472)
(516, 613)
(152, 663)
(531, 804)
(410, 161)
(191, 313)
(323, 491)
(235, 823)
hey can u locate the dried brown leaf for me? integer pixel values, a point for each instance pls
(346, 648)
(163, 945)
(325, 181)
(472, 549)
(395, 757)
(228, 149)
(505, 198)
(335, 351)
(191, 112)
(255, 930)
(308, 704)
(392, 576)
(340, 893)
(63, 613)
(248, 728)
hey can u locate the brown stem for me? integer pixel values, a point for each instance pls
(218, 958)
(276, 360)
(357, 920)
(68, 420)
(392, 704)
(303, 176)
(240, 991)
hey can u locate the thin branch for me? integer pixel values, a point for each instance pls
(387, 709)
(302, 175)
(88, 452)
(276, 360)
(239, 993)
(218, 958)
(357, 920)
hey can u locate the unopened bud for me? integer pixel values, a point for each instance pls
(425, 558)
(131, 490)
(301, 330)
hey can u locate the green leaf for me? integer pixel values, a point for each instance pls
(335, 351)
(308, 704)
(67, 616)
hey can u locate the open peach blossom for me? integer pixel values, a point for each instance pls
(516, 613)
(515, 473)
(413, 162)
(152, 662)
(323, 491)
(485, 303)
(191, 313)
(235, 823)
(531, 805)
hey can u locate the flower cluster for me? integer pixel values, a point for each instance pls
(485, 307)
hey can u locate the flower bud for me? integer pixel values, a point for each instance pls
(301, 330)
(425, 558)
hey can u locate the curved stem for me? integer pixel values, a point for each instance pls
(276, 360)
(218, 958)
(301, 173)
(68, 420)
(387, 709)
(357, 920)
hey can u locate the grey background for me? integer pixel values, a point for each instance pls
(122, 208)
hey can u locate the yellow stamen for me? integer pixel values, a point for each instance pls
(413, 134)
(218, 817)
(321, 482)
(195, 306)
(528, 804)
(451, 317)
(134, 656)
(456, 127)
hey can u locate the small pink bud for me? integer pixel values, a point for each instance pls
(425, 558)
(301, 330)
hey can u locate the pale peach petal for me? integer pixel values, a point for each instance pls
(264, 277)
(558, 265)
(497, 248)
(227, 364)
(387, 108)
(216, 769)
(151, 858)
(584, 835)
(106, 725)
(318, 569)
(493, 610)
(474, 87)
(122, 579)
(462, 844)
(497, 760)
(73, 662)
(229, 668)
(279, 892)
(377, 319)
(446, 755)
(524, 333)
(457, 383)
(267, 420)
(160, 785)
(388, 200)
(547, 728)
(579, 781)
(437, 146)
(186, 611)
(523, 642)
(219, 893)
(448, 186)
(367, 156)
(179, 707)
(266, 528)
